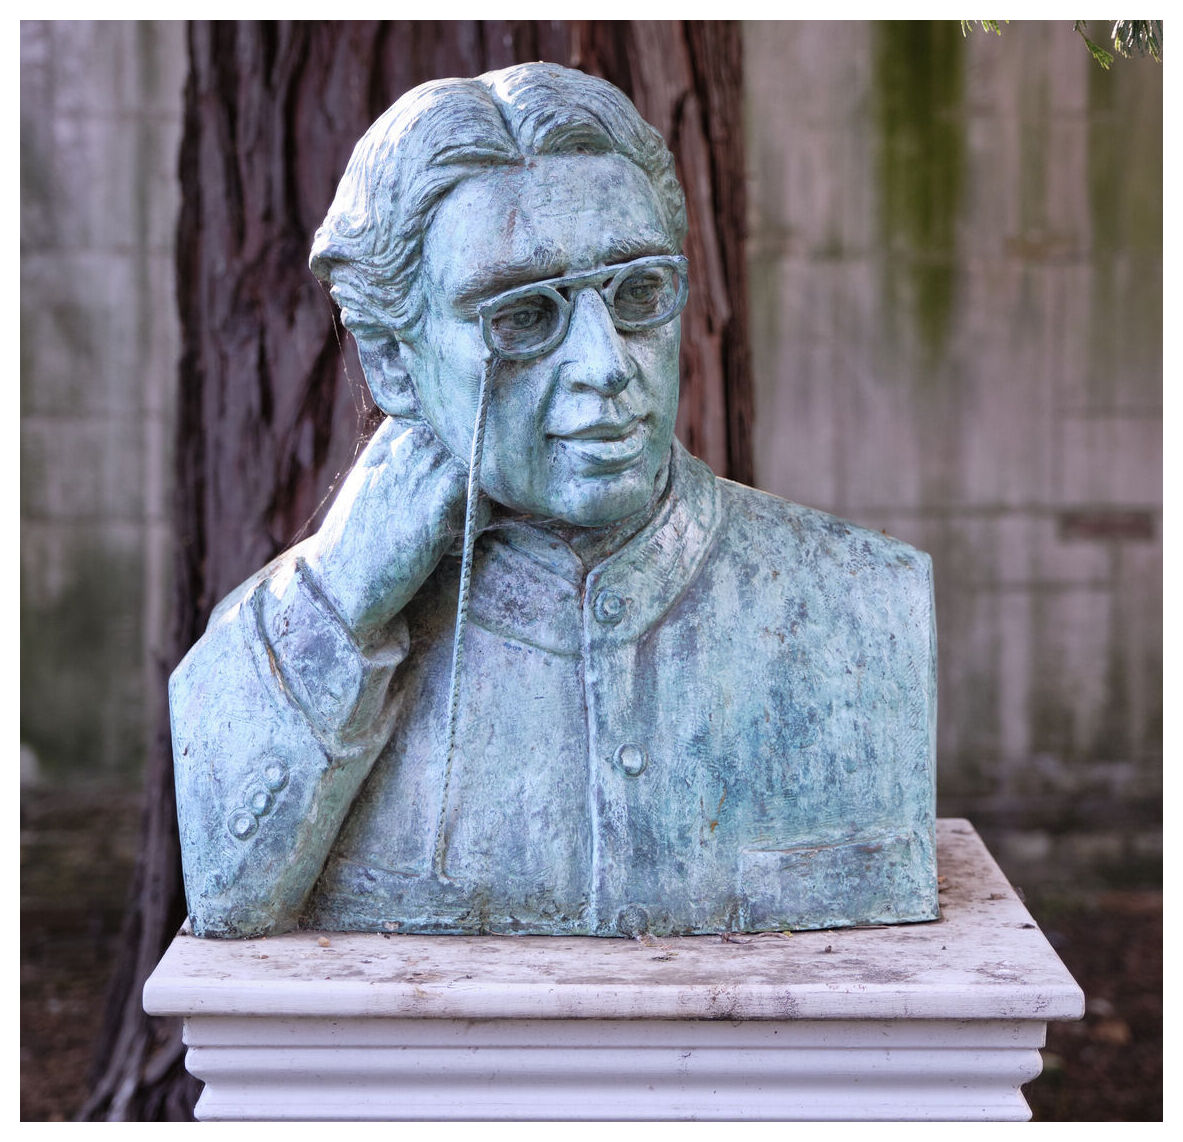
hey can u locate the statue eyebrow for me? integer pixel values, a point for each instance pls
(640, 245)
(550, 263)
(484, 283)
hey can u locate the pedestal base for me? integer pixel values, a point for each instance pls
(941, 1020)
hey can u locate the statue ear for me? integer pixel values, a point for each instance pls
(387, 375)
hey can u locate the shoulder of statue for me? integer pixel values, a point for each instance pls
(773, 527)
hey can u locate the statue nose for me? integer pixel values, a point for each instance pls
(594, 354)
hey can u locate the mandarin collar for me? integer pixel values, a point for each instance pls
(530, 585)
(550, 547)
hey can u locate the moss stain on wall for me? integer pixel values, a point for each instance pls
(82, 705)
(917, 90)
(1125, 215)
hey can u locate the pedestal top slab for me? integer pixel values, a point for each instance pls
(985, 958)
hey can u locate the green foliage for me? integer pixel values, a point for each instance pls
(1130, 38)
(1098, 53)
(1138, 37)
(967, 26)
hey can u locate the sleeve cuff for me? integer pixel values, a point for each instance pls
(342, 687)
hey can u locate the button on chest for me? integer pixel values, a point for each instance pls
(631, 758)
(609, 607)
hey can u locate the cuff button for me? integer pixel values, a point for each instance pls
(275, 776)
(242, 824)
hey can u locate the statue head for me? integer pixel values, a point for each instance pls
(528, 217)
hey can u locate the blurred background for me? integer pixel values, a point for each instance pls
(952, 331)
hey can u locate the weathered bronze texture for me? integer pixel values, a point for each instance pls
(540, 671)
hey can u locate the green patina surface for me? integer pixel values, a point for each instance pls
(643, 699)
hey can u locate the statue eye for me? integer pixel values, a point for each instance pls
(638, 289)
(524, 317)
(524, 322)
(646, 296)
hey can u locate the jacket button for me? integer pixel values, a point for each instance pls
(632, 758)
(632, 921)
(260, 802)
(609, 607)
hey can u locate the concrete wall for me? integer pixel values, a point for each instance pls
(100, 127)
(956, 260)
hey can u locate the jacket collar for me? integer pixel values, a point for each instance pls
(531, 586)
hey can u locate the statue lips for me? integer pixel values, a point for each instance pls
(607, 446)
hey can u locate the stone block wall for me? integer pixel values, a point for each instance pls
(956, 271)
(100, 127)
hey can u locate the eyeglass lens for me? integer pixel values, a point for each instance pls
(525, 322)
(637, 298)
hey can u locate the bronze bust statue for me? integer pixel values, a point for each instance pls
(540, 671)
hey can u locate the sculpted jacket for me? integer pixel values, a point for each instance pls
(729, 724)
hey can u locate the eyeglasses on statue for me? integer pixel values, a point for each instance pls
(531, 320)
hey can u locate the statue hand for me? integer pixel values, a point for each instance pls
(401, 507)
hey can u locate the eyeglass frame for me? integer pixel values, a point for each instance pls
(576, 283)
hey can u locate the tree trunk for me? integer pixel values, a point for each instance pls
(273, 405)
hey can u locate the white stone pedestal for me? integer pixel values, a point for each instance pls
(921, 1021)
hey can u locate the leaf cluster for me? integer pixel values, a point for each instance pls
(967, 26)
(1130, 38)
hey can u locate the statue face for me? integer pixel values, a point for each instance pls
(580, 432)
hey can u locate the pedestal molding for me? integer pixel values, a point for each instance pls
(940, 1020)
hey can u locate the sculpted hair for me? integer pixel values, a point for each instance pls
(369, 247)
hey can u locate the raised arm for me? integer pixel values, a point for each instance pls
(282, 707)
